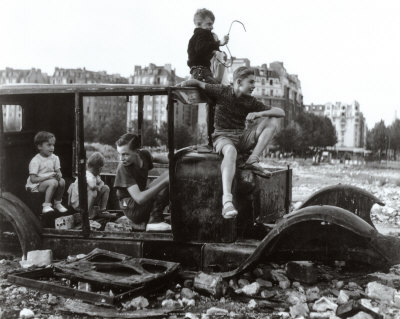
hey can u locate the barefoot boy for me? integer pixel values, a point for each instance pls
(235, 106)
(142, 204)
(45, 174)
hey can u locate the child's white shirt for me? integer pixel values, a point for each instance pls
(42, 167)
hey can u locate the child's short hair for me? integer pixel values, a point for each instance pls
(201, 14)
(96, 160)
(42, 137)
(242, 72)
(129, 139)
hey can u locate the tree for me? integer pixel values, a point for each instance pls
(394, 133)
(105, 132)
(289, 138)
(378, 138)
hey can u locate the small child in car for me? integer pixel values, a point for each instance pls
(45, 173)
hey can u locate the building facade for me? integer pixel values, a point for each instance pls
(155, 107)
(15, 76)
(96, 108)
(348, 121)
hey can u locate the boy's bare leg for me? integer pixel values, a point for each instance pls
(91, 198)
(48, 187)
(104, 193)
(60, 190)
(265, 131)
(228, 168)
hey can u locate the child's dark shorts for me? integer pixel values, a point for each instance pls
(242, 139)
(203, 74)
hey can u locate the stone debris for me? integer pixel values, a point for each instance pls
(324, 304)
(94, 225)
(278, 275)
(38, 258)
(215, 311)
(375, 290)
(190, 315)
(252, 304)
(26, 314)
(300, 309)
(342, 298)
(251, 289)
(361, 315)
(187, 293)
(243, 282)
(115, 227)
(264, 283)
(313, 294)
(136, 303)
(170, 303)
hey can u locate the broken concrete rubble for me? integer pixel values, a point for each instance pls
(299, 309)
(375, 290)
(323, 304)
(37, 258)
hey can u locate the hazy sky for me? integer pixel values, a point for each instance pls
(342, 50)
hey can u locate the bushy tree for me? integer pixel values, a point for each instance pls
(378, 138)
(105, 132)
(308, 131)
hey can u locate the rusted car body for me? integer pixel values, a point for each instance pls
(201, 239)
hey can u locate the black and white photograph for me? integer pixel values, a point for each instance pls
(199, 159)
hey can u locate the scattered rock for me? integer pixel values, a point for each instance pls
(361, 315)
(188, 302)
(267, 294)
(302, 271)
(94, 225)
(264, 283)
(26, 314)
(323, 315)
(187, 293)
(278, 275)
(342, 298)
(214, 311)
(375, 290)
(190, 315)
(339, 284)
(313, 294)
(285, 284)
(252, 304)
(324, 304)
(353, 286)
(296, 284)
(52, 300)
(188, 283)
(169, 303)
(136, 303)
(300, 309)
(39, 258)
(252, 289)
(295, 297)
(390, 279)
(243, 282)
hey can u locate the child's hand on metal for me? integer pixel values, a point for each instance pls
(225, 40)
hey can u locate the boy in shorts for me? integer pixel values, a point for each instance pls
(141, 203)
(242, 123)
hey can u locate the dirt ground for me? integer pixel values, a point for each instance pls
(307, 179)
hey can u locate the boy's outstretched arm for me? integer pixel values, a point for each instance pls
(193, 83)
(273, 112)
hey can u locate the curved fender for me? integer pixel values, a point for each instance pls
(25, 223)
(315, 231)
(351, 198)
